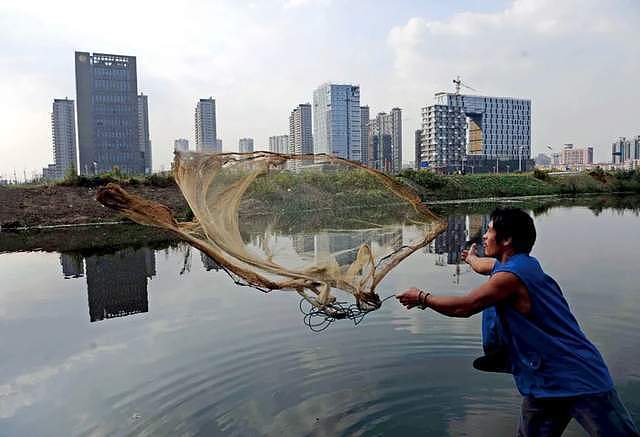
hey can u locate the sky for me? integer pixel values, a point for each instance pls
(577, 60)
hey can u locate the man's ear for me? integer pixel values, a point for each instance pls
(507, 242)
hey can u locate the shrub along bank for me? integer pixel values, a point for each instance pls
(432, 186)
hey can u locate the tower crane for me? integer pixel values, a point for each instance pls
(459, 83)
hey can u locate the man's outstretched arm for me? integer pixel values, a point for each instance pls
(501, 286)
(482, 265)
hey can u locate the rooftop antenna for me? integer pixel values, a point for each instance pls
(459, 83)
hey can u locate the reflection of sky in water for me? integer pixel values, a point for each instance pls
(197, 354)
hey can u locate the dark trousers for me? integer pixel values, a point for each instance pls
(601, 414)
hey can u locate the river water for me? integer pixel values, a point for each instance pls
(142, 341)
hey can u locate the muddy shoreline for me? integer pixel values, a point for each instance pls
(29, 207)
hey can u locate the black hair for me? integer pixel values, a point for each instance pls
(516, 224)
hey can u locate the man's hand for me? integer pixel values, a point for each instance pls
(482, 265)
(469, 254)
(410, 298)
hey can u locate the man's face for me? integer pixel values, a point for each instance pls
(489, 243)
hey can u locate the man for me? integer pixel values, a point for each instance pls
(559, 372)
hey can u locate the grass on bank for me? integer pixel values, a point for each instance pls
(155, 180)
(429, 185)
(432, 186)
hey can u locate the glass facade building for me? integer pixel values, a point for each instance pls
(458, 125)
(107, 103)
(336, 121)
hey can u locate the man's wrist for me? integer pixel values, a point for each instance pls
(423, 299)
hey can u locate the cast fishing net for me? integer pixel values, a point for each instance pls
(318, 225)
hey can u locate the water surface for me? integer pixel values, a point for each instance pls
(159, 341)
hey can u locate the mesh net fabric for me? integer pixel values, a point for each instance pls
(314, 224)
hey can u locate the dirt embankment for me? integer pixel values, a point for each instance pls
(63, 205)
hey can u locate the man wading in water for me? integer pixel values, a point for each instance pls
(529, 331)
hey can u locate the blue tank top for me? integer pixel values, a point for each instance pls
(550, 355)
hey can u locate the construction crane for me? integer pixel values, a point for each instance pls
(459, 83)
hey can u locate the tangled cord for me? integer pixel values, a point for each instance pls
(319, 319)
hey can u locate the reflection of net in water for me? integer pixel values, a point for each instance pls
(245, 204)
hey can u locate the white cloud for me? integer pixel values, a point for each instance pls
(299, 3)
(576, 60)
(29, 388)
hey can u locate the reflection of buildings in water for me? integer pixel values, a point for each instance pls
(208, 262)
(117, 283)
(304, 245)
(452, 241)
(344, 246)
(72, 265)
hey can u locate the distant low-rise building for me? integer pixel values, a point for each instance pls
(543, 159)
(571, 156)
(245, 145)
(181, 145)
(279, 144)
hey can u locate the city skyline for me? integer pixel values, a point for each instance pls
(570, 59)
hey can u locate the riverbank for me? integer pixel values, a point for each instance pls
(434, 187)
(73, 203)
(55, 205)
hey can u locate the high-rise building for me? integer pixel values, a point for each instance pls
(457, 125)
(219, 145)
(279, 144)
(385, 133)
(364, 134)
(205, 121)
(336, 121)
(418, 149)
(144, 138)
(624, 150)
(107, 103)
(245, 145)
(63, 133)
(300, 130)
(181, 145)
